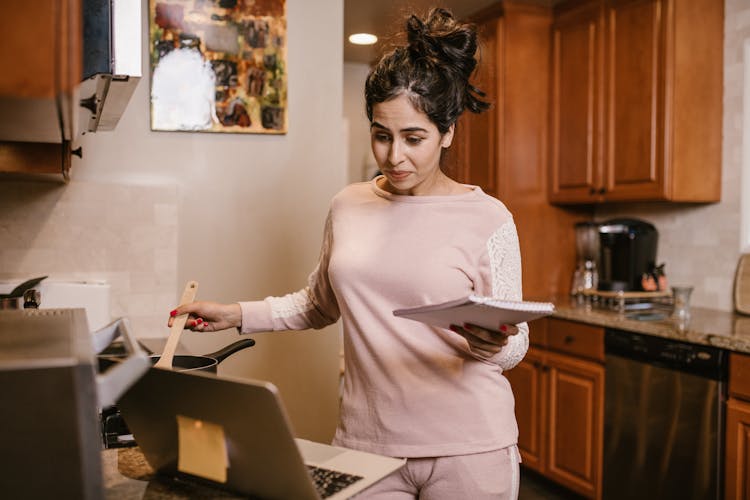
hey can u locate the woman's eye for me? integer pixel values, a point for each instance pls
(382, 137)
(414, 140)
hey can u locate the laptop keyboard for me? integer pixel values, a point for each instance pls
(329, 482)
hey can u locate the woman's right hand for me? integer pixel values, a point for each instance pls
(206, 316)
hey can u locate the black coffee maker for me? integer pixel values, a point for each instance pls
(627, 251)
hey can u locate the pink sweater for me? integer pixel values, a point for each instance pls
(410, 390)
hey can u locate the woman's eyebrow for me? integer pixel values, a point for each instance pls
(407, 129)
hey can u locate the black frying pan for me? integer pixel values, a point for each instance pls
(184, 362)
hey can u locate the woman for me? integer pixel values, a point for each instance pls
(409, 237)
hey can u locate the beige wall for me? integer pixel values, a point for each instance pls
(360, 161)
(700, 244)
(241, 214)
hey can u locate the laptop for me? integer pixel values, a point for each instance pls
(234, 434)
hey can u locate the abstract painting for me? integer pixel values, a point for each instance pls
(218, 66)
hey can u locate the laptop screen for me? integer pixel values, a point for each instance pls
(231, 433)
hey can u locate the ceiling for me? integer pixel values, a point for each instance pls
(386, 17)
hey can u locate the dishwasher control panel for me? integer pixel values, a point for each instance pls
(701, 360)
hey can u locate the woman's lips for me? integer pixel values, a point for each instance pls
(398, 176)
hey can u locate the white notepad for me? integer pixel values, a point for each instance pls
(487, 312)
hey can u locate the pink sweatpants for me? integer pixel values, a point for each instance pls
(481, 476)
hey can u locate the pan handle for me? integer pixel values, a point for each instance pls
(227, 351)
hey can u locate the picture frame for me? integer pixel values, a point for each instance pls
(218, 66)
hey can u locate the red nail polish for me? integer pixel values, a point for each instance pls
(173, 313)
(192, 322)
(199, 321)
(503, 328)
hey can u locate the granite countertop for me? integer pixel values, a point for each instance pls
(127, 476)
(723, 329)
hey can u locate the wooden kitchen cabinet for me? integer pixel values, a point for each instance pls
(636, 101)
(42, 159)
(575, 103)
(504, 150)
(476, 144)
(559, 393)
(737, 449)
(479, 144)
(737, 440)
(41, 57)
(575, 423)
(528, 382)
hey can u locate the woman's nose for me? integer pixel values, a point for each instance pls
(395, 156)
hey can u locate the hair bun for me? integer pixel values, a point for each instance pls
(442, 40)
(432, 67)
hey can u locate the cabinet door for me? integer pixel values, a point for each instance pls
(737, 450)
(474, 160)
(527, 382)
(634, 90)
(41, 160)
(576, 413)
(575, 105)
(41, 54)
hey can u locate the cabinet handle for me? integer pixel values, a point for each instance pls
(545, 368)
(592, 191)
(602, 190)
(568, 339)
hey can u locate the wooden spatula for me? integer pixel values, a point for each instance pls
(165, 360)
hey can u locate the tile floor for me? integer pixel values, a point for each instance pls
(535, 487)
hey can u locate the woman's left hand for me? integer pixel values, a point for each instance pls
(485, 342)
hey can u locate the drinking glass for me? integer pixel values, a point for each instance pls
(681, 297)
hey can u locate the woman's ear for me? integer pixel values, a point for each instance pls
(447, 138)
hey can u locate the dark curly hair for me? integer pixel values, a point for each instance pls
(432, 69)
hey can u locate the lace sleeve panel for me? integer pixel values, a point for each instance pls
(505, 265)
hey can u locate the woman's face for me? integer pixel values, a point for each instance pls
(407, 146)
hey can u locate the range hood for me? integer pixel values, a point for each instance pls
(111, 61)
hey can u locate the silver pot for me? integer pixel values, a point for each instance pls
(23, 296)
(11, 303)
(30, 300)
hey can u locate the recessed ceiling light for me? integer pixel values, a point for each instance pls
(363, 39)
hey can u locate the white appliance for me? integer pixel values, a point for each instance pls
(93, 296)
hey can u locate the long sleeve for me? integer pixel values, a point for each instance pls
(314, 306)
(505, 264)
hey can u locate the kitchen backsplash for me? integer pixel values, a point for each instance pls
(698, 244)
(123, 234)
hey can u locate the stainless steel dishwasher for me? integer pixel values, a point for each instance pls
(663, 418)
